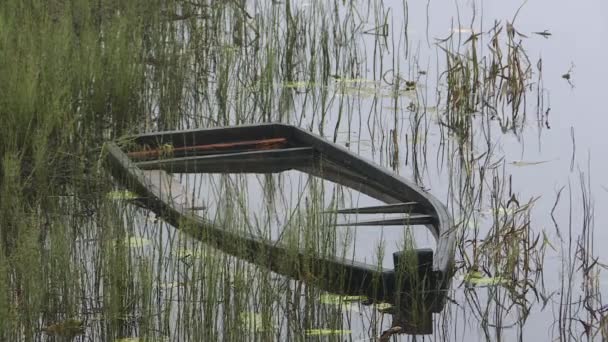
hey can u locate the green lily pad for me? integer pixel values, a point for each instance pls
(122, 195)
(461, 30)
(344, 302)
(476, 278)
(137, 339)
(333, 299)
(355, 80)
(326, 332)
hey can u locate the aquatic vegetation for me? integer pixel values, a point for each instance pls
(447, 104)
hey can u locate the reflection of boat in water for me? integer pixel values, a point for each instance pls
(417, 285)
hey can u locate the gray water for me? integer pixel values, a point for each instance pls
(560, 140)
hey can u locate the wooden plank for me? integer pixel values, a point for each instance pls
(402, 221)
(407, 207)
(262, 144)
(264, 161)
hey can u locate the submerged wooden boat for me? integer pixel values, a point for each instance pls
(416, 286)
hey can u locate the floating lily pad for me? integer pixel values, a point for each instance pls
(345, 302)
(122, 195)
(326, 332)
(461, 30)
(333, 299)
(476, 278)
(137, 339)
(355, 80)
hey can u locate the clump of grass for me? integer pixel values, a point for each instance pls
(71, 79)
(486, 84)
(581, 311)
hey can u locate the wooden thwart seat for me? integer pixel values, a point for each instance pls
(412, 220)
(395, 208)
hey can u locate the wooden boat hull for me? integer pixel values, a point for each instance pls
(268, 148)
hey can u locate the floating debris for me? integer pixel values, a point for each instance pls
(166, 150)
(386, 335)
(568, 75)
(545, 34)
(529, 163)
(547, 242)
(410, 85)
